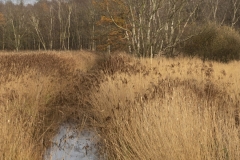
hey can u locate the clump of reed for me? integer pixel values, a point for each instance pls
(30, 108)
(178, 108)
(167, 109)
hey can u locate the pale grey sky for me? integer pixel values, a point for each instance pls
(25, 1)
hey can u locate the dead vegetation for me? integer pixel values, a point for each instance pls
(142, 109)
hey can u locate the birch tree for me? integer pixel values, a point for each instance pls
(17, 19)
(35, 23)
(2, 25)
(64, 18)
(235, 12)
(156, 25)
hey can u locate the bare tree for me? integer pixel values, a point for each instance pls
(35, 23)
(64, 18)
(235, 12)
(69, 25)
(51, 28)
(156, 25)
(3, 26)
(142, 27)
(17, 19)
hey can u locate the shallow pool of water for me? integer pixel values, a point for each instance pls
(72, 144)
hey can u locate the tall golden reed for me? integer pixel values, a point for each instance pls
(161, 109)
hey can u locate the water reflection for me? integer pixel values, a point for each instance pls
(71, 144)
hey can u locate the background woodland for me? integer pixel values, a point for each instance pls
(140, 27)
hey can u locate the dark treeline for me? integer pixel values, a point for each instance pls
(137, 26)
(46, 25)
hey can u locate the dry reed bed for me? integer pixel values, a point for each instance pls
(168, 109)
(30, 83)
(142, 109)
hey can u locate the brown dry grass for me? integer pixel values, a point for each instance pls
(32, 85)
(142, 109)
(169, 109)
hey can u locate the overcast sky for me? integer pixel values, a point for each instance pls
(25, 1)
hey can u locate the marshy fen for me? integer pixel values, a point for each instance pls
(121, 107)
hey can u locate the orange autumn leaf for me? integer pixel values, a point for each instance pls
(2, 19)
